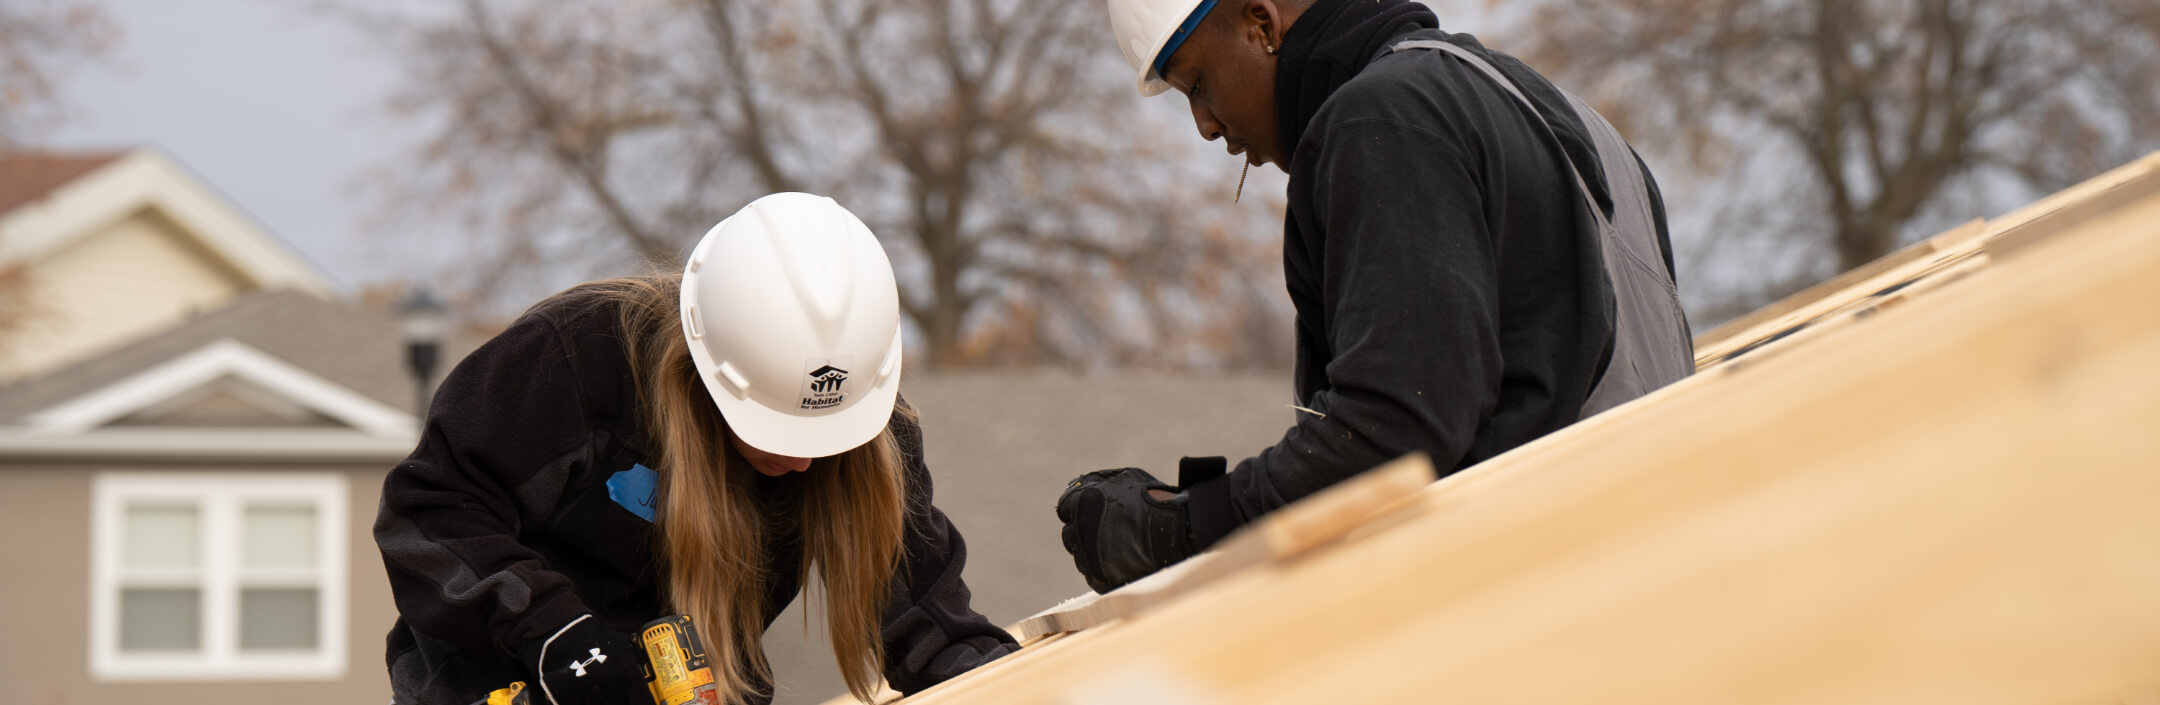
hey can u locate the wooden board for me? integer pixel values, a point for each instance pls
(1836, 291)
(1945, 500)
(1315, 521)
(1959, 249)
(2095, 197)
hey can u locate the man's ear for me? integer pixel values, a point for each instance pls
(1263, 21)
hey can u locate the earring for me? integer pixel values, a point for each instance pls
(1270, 50)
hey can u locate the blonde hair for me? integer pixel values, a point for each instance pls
(713, 533)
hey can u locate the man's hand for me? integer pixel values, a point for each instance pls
(1122, 525)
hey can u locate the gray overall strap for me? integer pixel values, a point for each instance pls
(1651, 344)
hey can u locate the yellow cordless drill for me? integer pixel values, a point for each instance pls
(676, 667)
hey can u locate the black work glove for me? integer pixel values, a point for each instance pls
(1116, 532)
(589, 664)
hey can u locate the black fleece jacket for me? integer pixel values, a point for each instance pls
(1449, 289)
(503, 526)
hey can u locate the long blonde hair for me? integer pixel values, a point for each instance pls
(713, 533)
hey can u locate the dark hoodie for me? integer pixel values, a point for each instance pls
(1449, 289)
(523, 508)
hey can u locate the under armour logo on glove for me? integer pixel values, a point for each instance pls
(585, 663)
(579, 666)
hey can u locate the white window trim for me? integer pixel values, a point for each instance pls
(221, 496)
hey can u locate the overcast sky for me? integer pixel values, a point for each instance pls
(280, 108)
(274, 105)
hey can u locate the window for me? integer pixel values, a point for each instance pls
(217, 576)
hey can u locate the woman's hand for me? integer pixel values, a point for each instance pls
(585, 663)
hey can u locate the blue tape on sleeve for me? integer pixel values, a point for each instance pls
(636, 489)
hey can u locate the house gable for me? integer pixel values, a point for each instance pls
(130, 244)
(147, 179)
(109, 287)
(224, 399)
(227, 402)
(224, 363)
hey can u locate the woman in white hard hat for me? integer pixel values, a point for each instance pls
(702, 444)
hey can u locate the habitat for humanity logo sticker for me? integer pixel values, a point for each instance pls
(825, 383)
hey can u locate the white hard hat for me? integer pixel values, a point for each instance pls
(793, 319)
(1149, 31)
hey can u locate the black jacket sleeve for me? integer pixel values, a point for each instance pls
(1409, 288)
(507, 429)
(930, 633)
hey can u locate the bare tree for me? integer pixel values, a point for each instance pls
(40, 41)
(1035, 208)
(1852, 120)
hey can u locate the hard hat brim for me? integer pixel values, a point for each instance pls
(1151, 85)
(808, 436)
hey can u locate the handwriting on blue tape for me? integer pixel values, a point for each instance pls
(636, 489)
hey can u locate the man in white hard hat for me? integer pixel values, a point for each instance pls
(1476, 258)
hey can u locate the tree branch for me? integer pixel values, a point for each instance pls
(752, 138)
(548, 120)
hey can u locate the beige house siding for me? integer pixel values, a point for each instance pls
(139, 275)
(125, 248)
(45, 536)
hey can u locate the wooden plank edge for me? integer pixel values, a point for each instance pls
(1767, 317)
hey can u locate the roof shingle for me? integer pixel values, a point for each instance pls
(29, 176)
